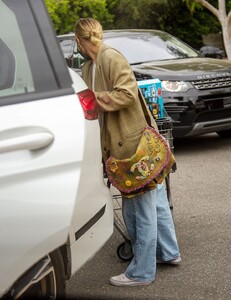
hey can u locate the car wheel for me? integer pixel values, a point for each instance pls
(224, 133)
(45, 280)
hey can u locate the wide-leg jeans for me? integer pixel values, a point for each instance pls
(150, 227)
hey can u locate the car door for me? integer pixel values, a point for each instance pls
(41, 139)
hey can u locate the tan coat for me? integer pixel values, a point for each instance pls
(121, 116)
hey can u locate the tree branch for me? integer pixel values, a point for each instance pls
(229, 15)
(210, 7)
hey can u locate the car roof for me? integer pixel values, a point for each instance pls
(132, 32)
(121, 32)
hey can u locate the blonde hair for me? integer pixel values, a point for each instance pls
(89, 29)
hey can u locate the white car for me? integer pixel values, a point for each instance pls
(55, 210)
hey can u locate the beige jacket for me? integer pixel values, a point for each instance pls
(121, 116)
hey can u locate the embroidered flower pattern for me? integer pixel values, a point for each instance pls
(142, 167)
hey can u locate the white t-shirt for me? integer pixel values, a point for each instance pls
(93, 76)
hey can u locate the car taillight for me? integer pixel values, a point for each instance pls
(89, 104)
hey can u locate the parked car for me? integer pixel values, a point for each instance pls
(196, 89)
(211, 51)
(55, 209)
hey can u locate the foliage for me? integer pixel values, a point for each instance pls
(135, 13)
(172, 16)
(180, 22)
(221, 11)
(174, 21)
(65, 13)
(194, 4)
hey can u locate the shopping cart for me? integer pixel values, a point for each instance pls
(124, 250)
(152, 92)
(165, 129)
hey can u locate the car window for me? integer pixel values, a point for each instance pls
(7, 63)
(138, 48)
(13, 80)
(31, 62)
(69, 48)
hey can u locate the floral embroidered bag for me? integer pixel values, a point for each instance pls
(151, 163)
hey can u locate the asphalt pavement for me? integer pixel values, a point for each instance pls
(201, 193)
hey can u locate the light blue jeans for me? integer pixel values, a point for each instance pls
(150, 227)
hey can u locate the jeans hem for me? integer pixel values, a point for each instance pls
(169, 258)
(139, 279)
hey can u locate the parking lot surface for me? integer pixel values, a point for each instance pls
(201, 192)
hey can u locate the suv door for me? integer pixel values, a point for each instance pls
(41, 142)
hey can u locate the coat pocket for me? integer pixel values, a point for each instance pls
(135, 134)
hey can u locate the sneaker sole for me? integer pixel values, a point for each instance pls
(133, 283)
(174, 263)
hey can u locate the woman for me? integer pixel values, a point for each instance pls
(147, 216)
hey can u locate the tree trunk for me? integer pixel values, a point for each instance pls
(226, 39)
(225, 21)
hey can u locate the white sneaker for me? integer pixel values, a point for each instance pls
(122, 280)
(174, 261)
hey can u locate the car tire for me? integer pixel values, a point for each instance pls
(224, 133)
(45, 280)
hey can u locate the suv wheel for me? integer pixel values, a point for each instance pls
(224, 133)
(45, 280)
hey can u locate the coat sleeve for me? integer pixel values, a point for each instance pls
(122, 89)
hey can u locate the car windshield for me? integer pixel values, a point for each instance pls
(139, 47)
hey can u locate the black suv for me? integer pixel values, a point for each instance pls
(196, 89)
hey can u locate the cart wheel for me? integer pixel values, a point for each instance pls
(124, 251)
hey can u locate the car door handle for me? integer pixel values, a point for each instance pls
(29, 141)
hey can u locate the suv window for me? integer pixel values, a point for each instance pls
(31, 63)
(7, 63)
(19, 79)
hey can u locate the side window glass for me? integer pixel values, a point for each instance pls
(73, 58)
(7, 67)
(15, 72)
